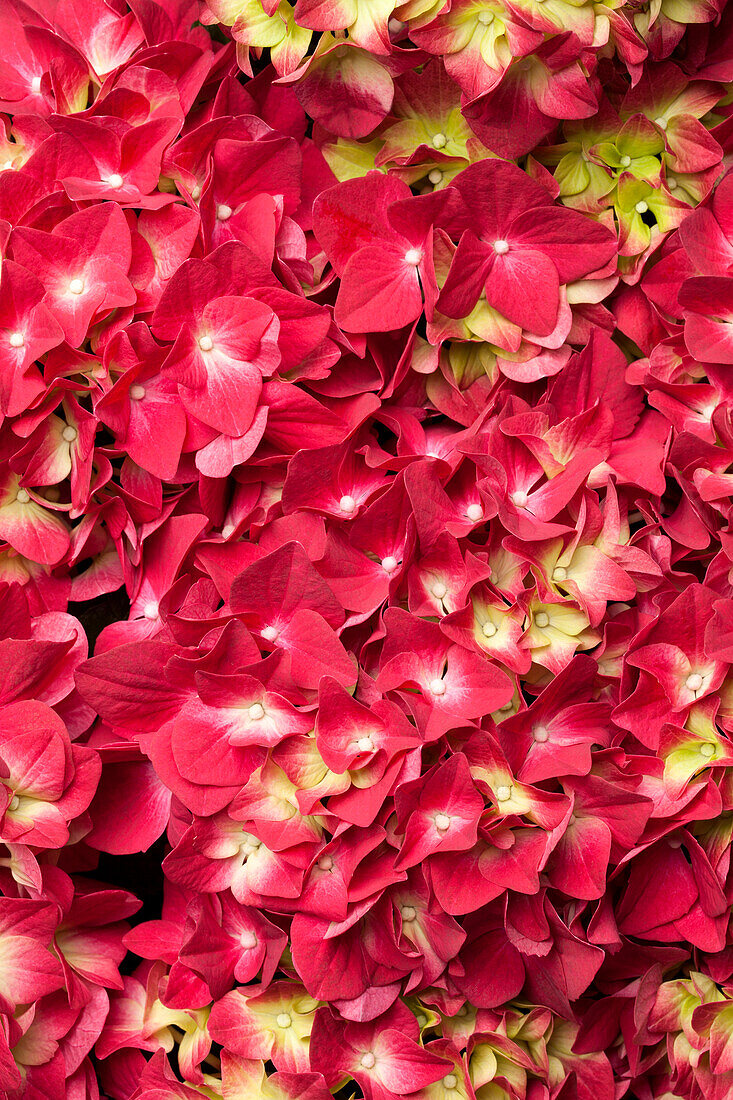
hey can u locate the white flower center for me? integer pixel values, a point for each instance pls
(223, 212)
(672, 183)
(439, 590)
(270, 633)
(22, 496)
(442, 822)
(365, 744)
(137, 392)
(542, 619)
(439, 140)
(413, 256)
(707, 749)
(694, 681)
(76, 286)
(437, 686)
(435, 176)
(16, 339)
(408, 913)
(389, 564)
(559, 573)
(486, 17)
(625, 161)
(450, 1081)
(541, 734)
(519, 498)
(503, 793)
(150, 611)
(347, 504)
(501, 247)
(69, 434)
(248, 940)
(368, 1061)
(36, 85)
(115, 180)
(488, 630)
(249, 845)
(284, 1020)
(641, 207)
(475, 512)
(256, 711)
(206, 343)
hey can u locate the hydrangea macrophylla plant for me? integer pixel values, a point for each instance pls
(366, 573)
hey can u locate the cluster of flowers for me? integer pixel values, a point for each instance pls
(365, 374)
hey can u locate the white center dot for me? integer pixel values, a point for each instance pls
(76, 286)
(223, 212)
(408, 913)
(16, 339)
(365, 744)
(625, 161)
(284, 1020)
(486, 17)
(475, 512)
(435, 176)
(395, 26)
(503, 793)
(22, 496)
(641, 207)
(672, 183)
(707, 749)
(270, 633)
(437, 687)
(541, 734)
(450, 1081)
(347, 504)
(559, 573)
(256, 711)
(115, 180)
(389, 564)
(137, 392)
(488, 630)
(542, 619)
(694, 681)
(501, 247)
(439, 141)
(439, 590)
(368, 1061)
(248, 940)
(442, 822)
(519, 498)
(36, 85)
(206, 343)
(69, 433)
(413, 256)
(150, 611)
